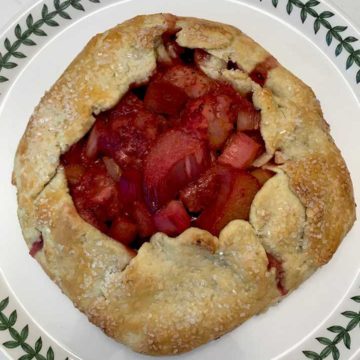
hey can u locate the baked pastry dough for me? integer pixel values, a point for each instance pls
(179, 293)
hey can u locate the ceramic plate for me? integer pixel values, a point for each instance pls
(320, 320)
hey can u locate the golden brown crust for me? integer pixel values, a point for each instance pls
(179, 293)
(189, 295)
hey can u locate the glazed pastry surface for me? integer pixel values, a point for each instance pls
(179, 293)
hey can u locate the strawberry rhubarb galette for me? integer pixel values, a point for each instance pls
(177, 180)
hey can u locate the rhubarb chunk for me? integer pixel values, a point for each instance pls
(175, 160)
(172, 219)
(200, 193)
(165, 98)
(248, 117)
(192, 81)
(240, 151)
(234, 197)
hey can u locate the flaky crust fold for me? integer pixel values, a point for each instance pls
(179, 293)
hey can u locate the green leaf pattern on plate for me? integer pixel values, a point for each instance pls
(332, 32)
(24, 37)
(48, 18)
(342, 336)
(18, 339)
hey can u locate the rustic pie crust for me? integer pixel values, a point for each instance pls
(179, 293)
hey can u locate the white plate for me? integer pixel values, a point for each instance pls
(285, 331)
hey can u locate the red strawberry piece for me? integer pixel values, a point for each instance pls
(210, 117)
(135, 129)
(280, 274)
(75, 154)
(36, 246)
(172, 219)
(200, 193)
(240, 151)
(175, 160)
(260, 73)
(130, 186)
(195, 117)
(262, 175)
(128, 104)
(131, 112)
(123, 230)
(163, 97)
(192, 81)
(96, 196)
(233, 200)
(143, 219)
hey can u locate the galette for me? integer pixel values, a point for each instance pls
(177, 180)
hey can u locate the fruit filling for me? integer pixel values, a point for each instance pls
(36, 246)
(173, 153)
(273, 262)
